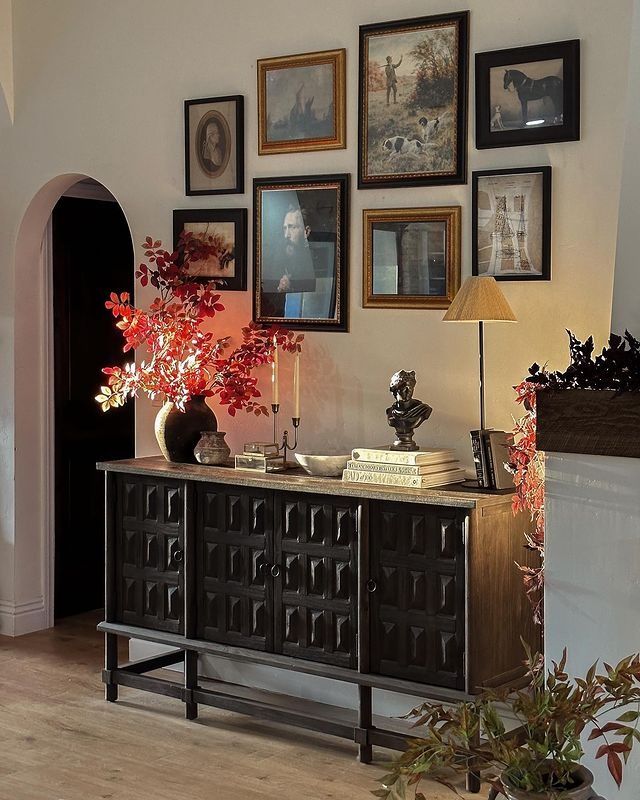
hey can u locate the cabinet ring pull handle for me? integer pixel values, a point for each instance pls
(371, 586)
(275, 571)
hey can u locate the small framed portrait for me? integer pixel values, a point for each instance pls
(301, 252)
(412, 102)
(411, 257)
(214, 145)
(528, 95)
(224, 231)
(511, 221)
(301, 102)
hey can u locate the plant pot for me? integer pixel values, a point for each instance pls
(178, 431)
(582, 791)
(211, 448)
(593, 422)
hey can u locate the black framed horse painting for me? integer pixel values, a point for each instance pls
(412, 127)
(528, 95)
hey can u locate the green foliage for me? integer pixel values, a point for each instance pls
(541, 753)
(435, 72)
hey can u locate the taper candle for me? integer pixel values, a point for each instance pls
(274, 374)
(296, 386)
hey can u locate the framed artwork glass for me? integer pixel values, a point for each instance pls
(214, 145)
(412, 128)
(225, 230)
(511, 221)
(301, 252)
(528, 95)
(411, 257)
(301, 102)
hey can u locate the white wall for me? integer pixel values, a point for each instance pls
(99, 88)
(626, 308)
(592, 573)
(6, 63)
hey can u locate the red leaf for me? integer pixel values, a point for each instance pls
(615, 768)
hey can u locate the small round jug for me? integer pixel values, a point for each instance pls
(211, 448)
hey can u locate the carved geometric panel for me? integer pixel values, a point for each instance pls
(448, 538)
(172, 505)
(173, 602)
(151, 551)
(129, 492)
(131, 548)
(292, 576)
(150, 502)
(417, 606)
(151, 598)
(316, 595)
(341, 579)
(259, 618)
(149, 533)
(447, 594)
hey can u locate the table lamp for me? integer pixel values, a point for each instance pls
(480, 300)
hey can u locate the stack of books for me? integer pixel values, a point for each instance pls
(418, 469)
(490, 454)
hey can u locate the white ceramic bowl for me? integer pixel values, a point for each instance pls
(323, 466)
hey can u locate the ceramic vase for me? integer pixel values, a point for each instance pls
(178, 431)
(211, 448)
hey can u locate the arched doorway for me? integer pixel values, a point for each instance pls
(37, 462)
(91, 256)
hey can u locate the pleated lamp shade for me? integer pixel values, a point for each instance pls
(480, 299)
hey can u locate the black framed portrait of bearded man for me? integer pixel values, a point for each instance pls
(301, 252)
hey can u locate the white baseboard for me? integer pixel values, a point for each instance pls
(16, 619)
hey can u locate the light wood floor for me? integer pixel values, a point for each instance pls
(59, 740)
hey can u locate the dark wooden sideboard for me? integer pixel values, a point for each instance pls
(412, 591)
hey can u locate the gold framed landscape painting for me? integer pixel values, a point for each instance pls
(411, 257)
(412, 127)
(301, 102)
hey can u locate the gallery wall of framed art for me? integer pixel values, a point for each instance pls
(413, 95)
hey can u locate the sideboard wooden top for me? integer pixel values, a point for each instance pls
(298, 480)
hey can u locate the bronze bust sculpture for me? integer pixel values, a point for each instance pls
(406, 414)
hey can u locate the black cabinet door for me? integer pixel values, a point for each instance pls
(315, 588)
(417, 585)
(150, 553)
(234, 540)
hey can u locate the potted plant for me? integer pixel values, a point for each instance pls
(591, 407)
(540, 758)
(183, 362)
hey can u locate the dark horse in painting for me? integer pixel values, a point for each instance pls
(535, 89)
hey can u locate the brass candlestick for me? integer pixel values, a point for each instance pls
(284, 444)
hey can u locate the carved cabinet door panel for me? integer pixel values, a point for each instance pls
(315, 591)
(150, 553)
(234, 541)
(417, 586)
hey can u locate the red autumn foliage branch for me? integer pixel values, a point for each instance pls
(183, 360)
(527, 466)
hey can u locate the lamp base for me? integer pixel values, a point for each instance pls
(474, 486)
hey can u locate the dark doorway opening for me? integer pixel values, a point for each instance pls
(92, 255)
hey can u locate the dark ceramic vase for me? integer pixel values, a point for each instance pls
(178, 431)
